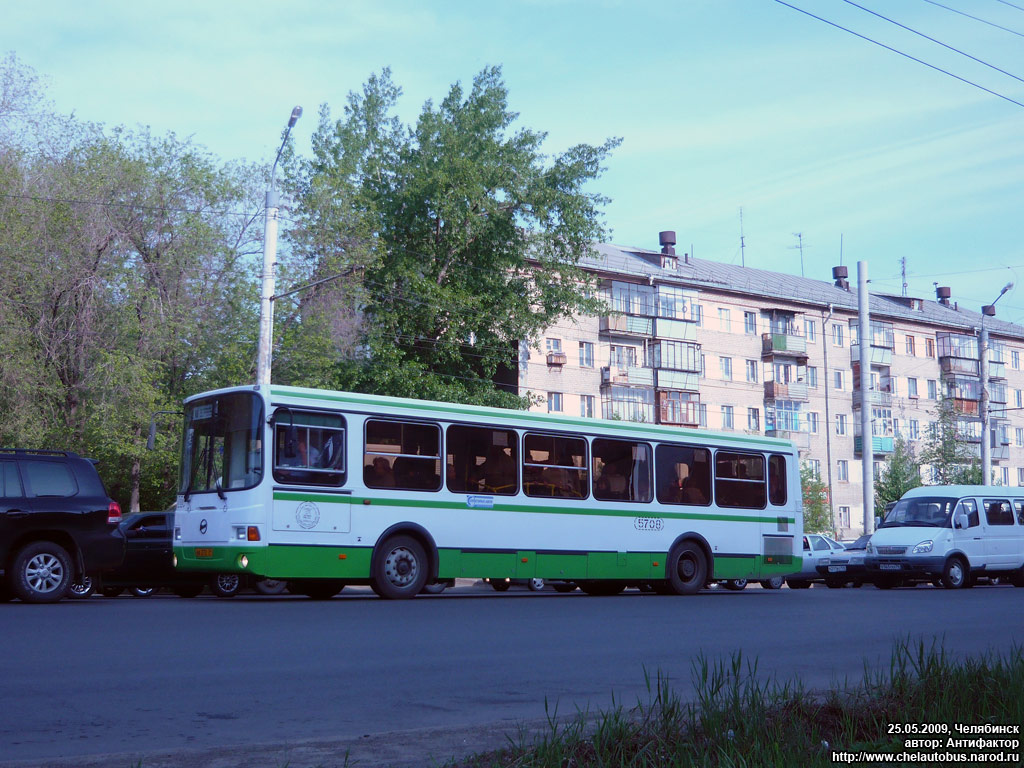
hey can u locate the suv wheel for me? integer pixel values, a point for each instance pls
(82, 587)
(42, 573)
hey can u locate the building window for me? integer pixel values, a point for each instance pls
(1015, 360)
(724, 319)
(698, 314)
(752, 371)
(910, 346)
(915, 429)
(1005, 472)
(553, 345)
(703, 370)
(933, 390)
(810, 330)
(725, 363)
(843, 517)
(702, 415)
(843, 471)
(1017, 397)
(929, 347)
(623, 357)
(812, 422)
(838, 380)
(750, 322)
(753, 419)
(1020, 475)
(586, 354)
(815, 466)
(554, 402)
(840, 423)
(587, 406)
(837, 334)
(727, 420)
(812, 377)
(911, 387)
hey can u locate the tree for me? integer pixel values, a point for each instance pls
(459, 237)
(950, 457)
(817, 511)
(901, 473)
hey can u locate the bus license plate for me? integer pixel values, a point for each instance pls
(204, 552)
(889, 566)
(837, 569)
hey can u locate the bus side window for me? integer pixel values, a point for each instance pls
(740, 480)
(402, 455)
(555, 465)
(482, 460)
(683, 474)
(622, 470)
(777, 479)
(309, 448)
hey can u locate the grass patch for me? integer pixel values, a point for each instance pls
(737, 720)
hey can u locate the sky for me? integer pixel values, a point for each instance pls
(741, 120)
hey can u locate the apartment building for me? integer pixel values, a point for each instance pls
(700, 344)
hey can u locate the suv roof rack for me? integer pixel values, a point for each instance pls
(38, 452)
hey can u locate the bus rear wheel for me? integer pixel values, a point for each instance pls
(687, 569)
(399, 569)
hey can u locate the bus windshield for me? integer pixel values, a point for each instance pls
(222, 449)
(924, 511)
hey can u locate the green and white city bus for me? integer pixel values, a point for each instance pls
(325, 489)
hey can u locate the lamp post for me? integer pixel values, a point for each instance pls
(269, 265)
(986, 439)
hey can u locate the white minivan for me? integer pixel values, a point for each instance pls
(950, 534)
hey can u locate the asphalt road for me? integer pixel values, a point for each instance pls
(219, 680)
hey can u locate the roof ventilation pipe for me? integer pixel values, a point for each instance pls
(942, 293)
(839, 274)
(667, 239)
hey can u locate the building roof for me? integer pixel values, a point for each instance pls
(704, 274)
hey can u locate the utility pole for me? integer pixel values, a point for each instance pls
(986, 438)
(828, 418)
(867, 443)
(272, 206)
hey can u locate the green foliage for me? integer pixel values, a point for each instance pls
(437, 227)
(952, 460)
(817, 511)
(901, 473)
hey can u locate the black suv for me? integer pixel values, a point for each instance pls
(57, 524)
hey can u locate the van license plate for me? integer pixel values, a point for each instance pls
(204, 552)
(889, 566)
(837, 569)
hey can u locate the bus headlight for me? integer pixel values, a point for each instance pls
(923, 547)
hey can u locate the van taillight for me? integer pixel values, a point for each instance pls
(114, 513)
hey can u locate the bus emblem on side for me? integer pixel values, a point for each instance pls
(307, 515)
(202, 527)
(480, 502)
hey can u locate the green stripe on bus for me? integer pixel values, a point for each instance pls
(586, 425)
(353, 563)
(498, 507)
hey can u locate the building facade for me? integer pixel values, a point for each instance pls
(696, 343)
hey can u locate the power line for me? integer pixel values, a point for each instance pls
(1005, 2)
(937, 42)
(976, 18)
(901, 53)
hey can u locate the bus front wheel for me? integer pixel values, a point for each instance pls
(400, 568)
(687, 569)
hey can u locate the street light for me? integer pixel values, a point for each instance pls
(986, 439)
(269, 264)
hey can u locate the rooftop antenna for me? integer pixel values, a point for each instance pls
(800, 247)
(743, 245)
(903, 272)
(840, 249)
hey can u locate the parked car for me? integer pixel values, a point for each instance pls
(57, 524)
(816, 546)
(149, 564)
(846, 567)
(501, 585)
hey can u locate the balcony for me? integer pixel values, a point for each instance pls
(879, 445)
(783, 344)
(959, 365)
(627, 325)
(801, 440)
(775, 390)
(675, 330)
(996, 370)
(673, 410)
(631, 376)
(876, 397)
(668, 379)
(878, 355)
(1000, 453)
(556, 359)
